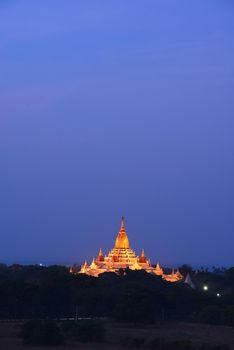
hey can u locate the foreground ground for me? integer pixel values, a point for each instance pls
(116, 333)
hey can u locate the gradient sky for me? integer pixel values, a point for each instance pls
(117, 107)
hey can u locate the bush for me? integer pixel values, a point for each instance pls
(229, 315)
(136, 307)
(86, 330)
(38, 332)
(68, 327)
(212, 314)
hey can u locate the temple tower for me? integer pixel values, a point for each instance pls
(100, 256)
(142, 257)
(122, 241)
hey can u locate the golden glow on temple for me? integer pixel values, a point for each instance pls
(122, 257)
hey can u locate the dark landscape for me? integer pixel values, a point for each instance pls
(132, 308)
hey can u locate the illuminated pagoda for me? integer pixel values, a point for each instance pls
(122, 257)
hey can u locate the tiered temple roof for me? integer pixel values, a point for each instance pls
(122, 257)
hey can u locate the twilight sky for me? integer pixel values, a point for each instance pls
(117, 107)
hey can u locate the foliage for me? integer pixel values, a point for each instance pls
(135, 306)
(38, 332)
(218, 315)
(30, 292)
(229, 315)
(184, 269)
(212, 314)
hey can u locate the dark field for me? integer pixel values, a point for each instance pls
(197, 333)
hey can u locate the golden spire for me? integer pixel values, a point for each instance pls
(93, 264)
(158, 270)
(100, 255)
(122, 228)
(122, 241)
(142, 258)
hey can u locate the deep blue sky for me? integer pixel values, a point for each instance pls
(117, 107)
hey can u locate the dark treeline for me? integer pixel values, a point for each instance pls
(29, 292)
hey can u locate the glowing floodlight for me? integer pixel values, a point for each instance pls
(205, 287)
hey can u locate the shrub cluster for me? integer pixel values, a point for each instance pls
(41, 332)
(48, 333)
(218, 315)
